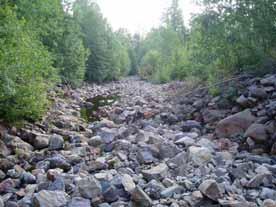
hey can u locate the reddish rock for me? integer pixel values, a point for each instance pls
(257, 132)
(273, 149)
(6, 185)
(235, 124)
(148, 114)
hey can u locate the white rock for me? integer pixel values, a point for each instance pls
(199, 155)
(128, 183)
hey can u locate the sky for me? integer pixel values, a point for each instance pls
(139, 16)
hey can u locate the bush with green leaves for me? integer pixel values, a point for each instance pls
(60, 34)
(73, 54)
(165, 46)
(151, 63)
(26, 70)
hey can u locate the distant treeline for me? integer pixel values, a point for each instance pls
(227, 37)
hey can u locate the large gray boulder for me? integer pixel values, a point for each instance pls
(56, 142)
(79, 202)
(235, 124)
(257, 132)
(211, 189)
(158, 172)
(89, 187)
(140, 198)
(47, 198)
(200, 155)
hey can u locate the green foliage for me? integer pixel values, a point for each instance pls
(151, 63)
(95, 38)
(45, 18)
(39, 44)
(73, 54)
(228, 37)
(165, 47)
(43, 42)
(109, 56)
(135, 54)
(232, 37)
(60, 33)
(25, 70)
(173, 18)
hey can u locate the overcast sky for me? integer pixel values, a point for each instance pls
(141, 15)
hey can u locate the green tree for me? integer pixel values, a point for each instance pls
(169, 40)
(95, 31)
(233, 36)
(151, 63)
(109, 56)
(73, 54)
(60, 34)
(135, 53)
(25, 70)
(173, 18)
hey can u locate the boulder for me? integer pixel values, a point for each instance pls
(190, 124)
(7, 186)
(210, 189)
(128, 183)
(58, 161)
(158, 172)
(257, 180)
(242, 100)
(140, 198)
(169, 192)
(1, 202)
(89, 188)
(258, 93)
(185, 141)
(236, 203)
(167, 150)
(46, 198)
(269, 203)
(41, 142)
(95, 141)
(211, 115)
(6, 164)
(154, 189)
(257, 132)
(179, 163)
(108, 135)
(268, 193)
(79, 202)
(15, 143)
(56, 142)
(235, 124)
(145, 157)
(27, 178)
(110, 193)
(200, 155)
(269, 81)
(4, 151)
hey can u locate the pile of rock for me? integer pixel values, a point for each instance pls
(249, 119)
(149, 151)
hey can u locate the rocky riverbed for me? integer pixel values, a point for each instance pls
(132, 143)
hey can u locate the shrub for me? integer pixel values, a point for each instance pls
(25, 70)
